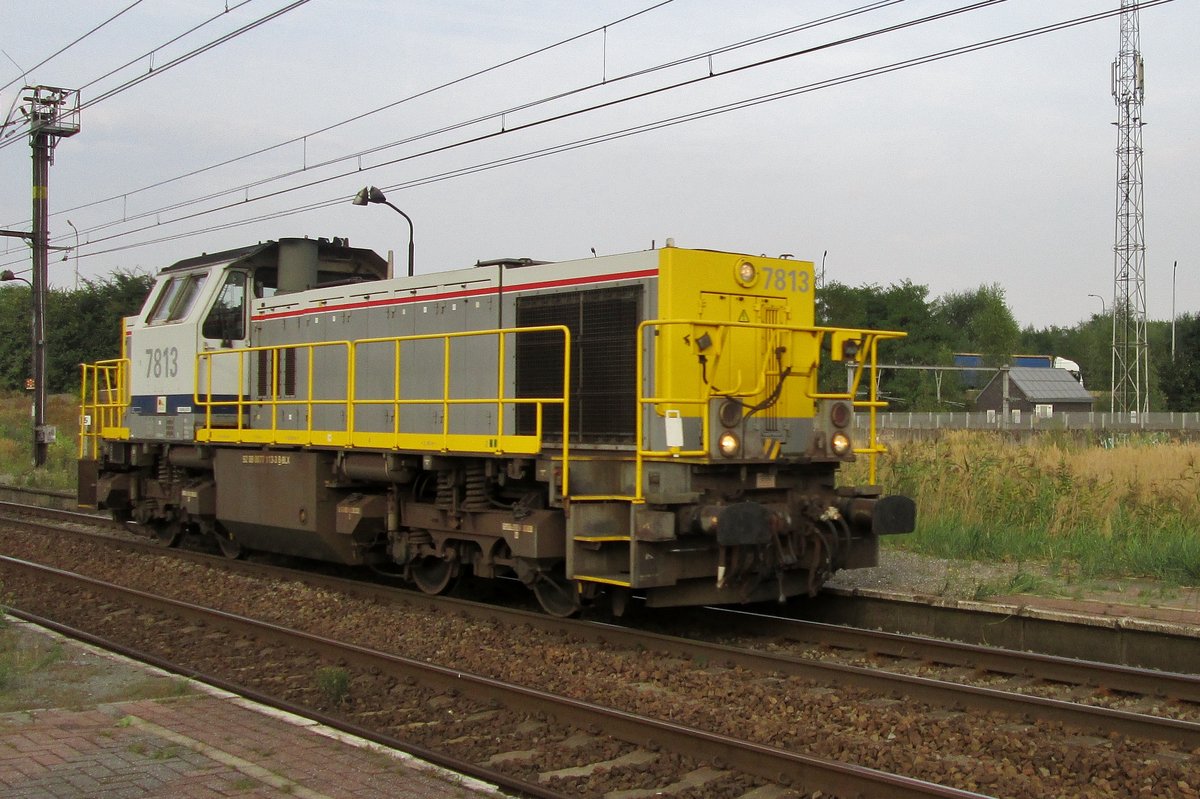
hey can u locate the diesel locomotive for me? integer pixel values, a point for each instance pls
(648, 424)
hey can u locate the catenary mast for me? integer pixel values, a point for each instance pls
(1130, 359)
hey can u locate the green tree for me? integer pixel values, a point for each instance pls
(901, 306)
(15, 335)
(82, 325)
(1178, 379)
(979, 321)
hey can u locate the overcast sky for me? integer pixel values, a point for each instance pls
(996, 166)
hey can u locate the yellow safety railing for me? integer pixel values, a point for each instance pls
(237, 432)
(495, 441)
(103, 400)
(867, 363)
(105, 395)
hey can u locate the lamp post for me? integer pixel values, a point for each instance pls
(1103, 310)
(370, 194)
(1174, 266)
(72, 224)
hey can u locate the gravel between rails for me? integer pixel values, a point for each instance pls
(989, 753)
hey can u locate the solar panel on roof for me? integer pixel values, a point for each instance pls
(1048, 385)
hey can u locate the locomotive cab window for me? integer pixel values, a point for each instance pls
(227, 318)
(266, 283)
(176, 299)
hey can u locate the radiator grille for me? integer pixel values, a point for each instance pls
(603, 325)
(287, 373)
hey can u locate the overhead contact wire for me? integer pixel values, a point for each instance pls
(67, 47)
(167, 43)
(492, 115)
(129, 84)
(512, 129)
(635, 130)
(366, 114)
(193, 53)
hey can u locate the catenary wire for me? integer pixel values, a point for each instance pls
(167, 43)
(178, 60)
(129, 84)
(365, 114)
(535, 103)
(63, 49)
(638, 129)
(158, 212)
(175, 206)
(5, 137)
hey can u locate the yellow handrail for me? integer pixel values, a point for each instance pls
(396, 439)
(103, 400)
(106, 406)
(241, 404)
(868, 361)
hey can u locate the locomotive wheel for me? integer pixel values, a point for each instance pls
(557, 595)
(619, 601)
(169, 534)
(434, 575)
(229, 548)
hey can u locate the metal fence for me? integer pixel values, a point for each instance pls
(1016, 420)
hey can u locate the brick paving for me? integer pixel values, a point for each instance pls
(206, 745)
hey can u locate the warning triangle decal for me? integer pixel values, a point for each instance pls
(745, 317)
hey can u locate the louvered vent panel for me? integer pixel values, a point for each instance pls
(603, 325)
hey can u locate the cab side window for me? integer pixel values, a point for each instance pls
(227, 319)
(266, 283)
(176, 298)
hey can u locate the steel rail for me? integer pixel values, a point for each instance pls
(1054, 668)
(940, 692)
(1127, 640)
(772, 763)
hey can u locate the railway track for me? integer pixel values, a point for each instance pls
(1117, 640)
(1027, 715)
(1091, 695)
(184, 636)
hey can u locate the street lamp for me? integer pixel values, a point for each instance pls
(1103, 310)
(1174, 266)
(8, 275)
(370, 194)
(72, 224)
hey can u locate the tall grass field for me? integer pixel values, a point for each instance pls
(1090, 510)
(16, 442)
(1108, 509)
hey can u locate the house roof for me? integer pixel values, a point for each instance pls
(1043, 385)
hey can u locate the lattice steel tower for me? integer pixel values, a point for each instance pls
(1130, 358)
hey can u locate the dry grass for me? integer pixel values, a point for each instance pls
(1125, 509)
(16, 441)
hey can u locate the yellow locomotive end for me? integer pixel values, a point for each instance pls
(733, 344)
(736, 358)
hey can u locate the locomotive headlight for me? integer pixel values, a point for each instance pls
(730, 412)
(840, 414)
(728, 444)
(747, 273)
(839, 443)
